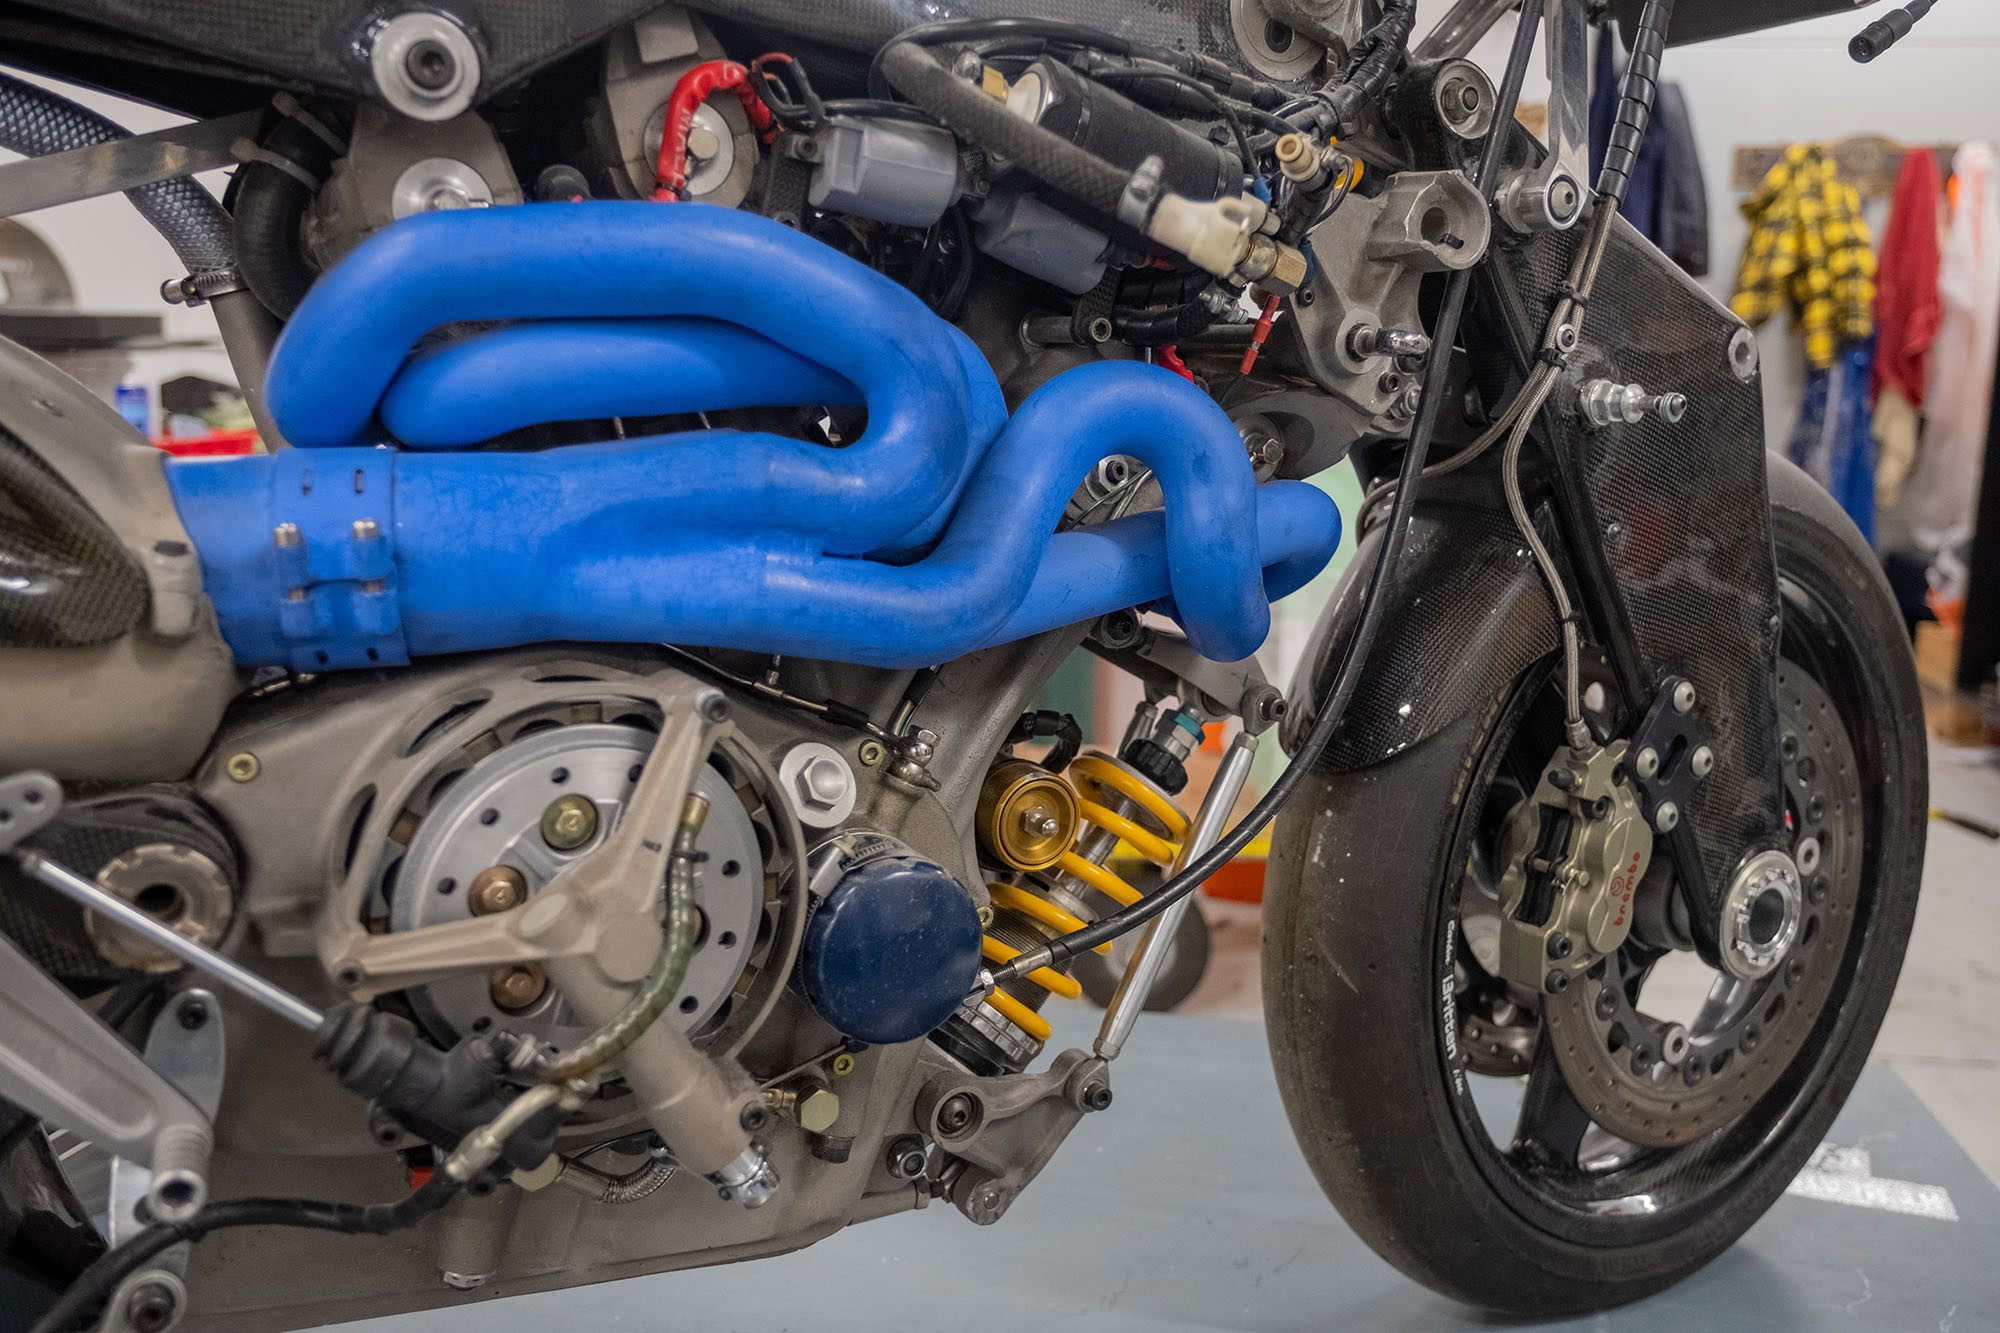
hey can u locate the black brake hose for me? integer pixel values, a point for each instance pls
(1355, 656)
(97, 1282)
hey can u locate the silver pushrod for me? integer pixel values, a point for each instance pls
(1129, 1000)
(198, 956)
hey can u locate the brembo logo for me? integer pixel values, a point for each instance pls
(1623, 892)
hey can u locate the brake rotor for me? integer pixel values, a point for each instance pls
(1654, 1084)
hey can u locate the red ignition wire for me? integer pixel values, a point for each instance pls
(1260, 333)
(1170, 357)
(694, 88)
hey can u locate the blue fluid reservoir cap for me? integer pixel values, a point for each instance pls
(892, 945)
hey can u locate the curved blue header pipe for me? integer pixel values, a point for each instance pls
(341, 556)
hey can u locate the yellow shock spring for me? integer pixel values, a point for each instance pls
(1100, 781)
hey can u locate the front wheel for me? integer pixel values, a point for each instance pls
(1431, 1098)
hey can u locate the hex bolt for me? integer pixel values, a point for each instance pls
(817, 1110)
(1667, 817)
(570, 821)
(907, 1158)
(242, 767)
(151, 1307)
(516, 986)
(1096, 1096)
(823, 782)
(1646, 763)
(1702, 762)
(1684, 697)
(1560, 946)
(496, 889)
(955, 1113)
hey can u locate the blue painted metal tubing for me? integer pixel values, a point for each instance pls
(351, 335)
(493, 550)
(462, 392)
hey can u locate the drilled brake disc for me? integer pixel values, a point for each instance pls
(1748, 1032)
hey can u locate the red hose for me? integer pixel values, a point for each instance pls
(694, 88)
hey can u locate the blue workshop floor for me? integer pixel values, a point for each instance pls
(1187, 1206)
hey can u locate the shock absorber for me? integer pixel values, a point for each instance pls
(1056, 839)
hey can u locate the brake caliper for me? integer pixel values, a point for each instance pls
(1574, 853)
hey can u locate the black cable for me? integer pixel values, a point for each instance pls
(1355, 656)
(98, 1281)
(1208, 95)
(1886, 31)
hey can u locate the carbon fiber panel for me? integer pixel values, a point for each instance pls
(1685, 513)
(66, 581)
(1466, 616)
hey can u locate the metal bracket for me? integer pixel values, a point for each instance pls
(60, 1063)
(1668, 758)
(1551, 196)
(1166, 665)
(28, 801)
(122, 164)
(1006, 1128)
(187, 1047)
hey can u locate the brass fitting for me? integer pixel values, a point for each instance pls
(1027, 816)
(807, 1100)
(516, 986)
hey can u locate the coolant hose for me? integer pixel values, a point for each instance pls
(35, 122)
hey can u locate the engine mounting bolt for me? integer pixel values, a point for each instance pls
(1560, 946)
(1556, 983)
(1702, 762)
(1607, 1003)
(1684, 697)
(569, 822)
(1646, 763)
(841, 1065)
(242, 766)
(496, 889)
(515, 986)
(907, 1158)
(955, 1113)
(1667, 817)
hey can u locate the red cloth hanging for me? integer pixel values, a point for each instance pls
(1907, 306)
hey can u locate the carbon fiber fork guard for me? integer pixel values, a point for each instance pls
(1665, 529)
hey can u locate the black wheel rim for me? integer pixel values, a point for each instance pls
(1641, 1194)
